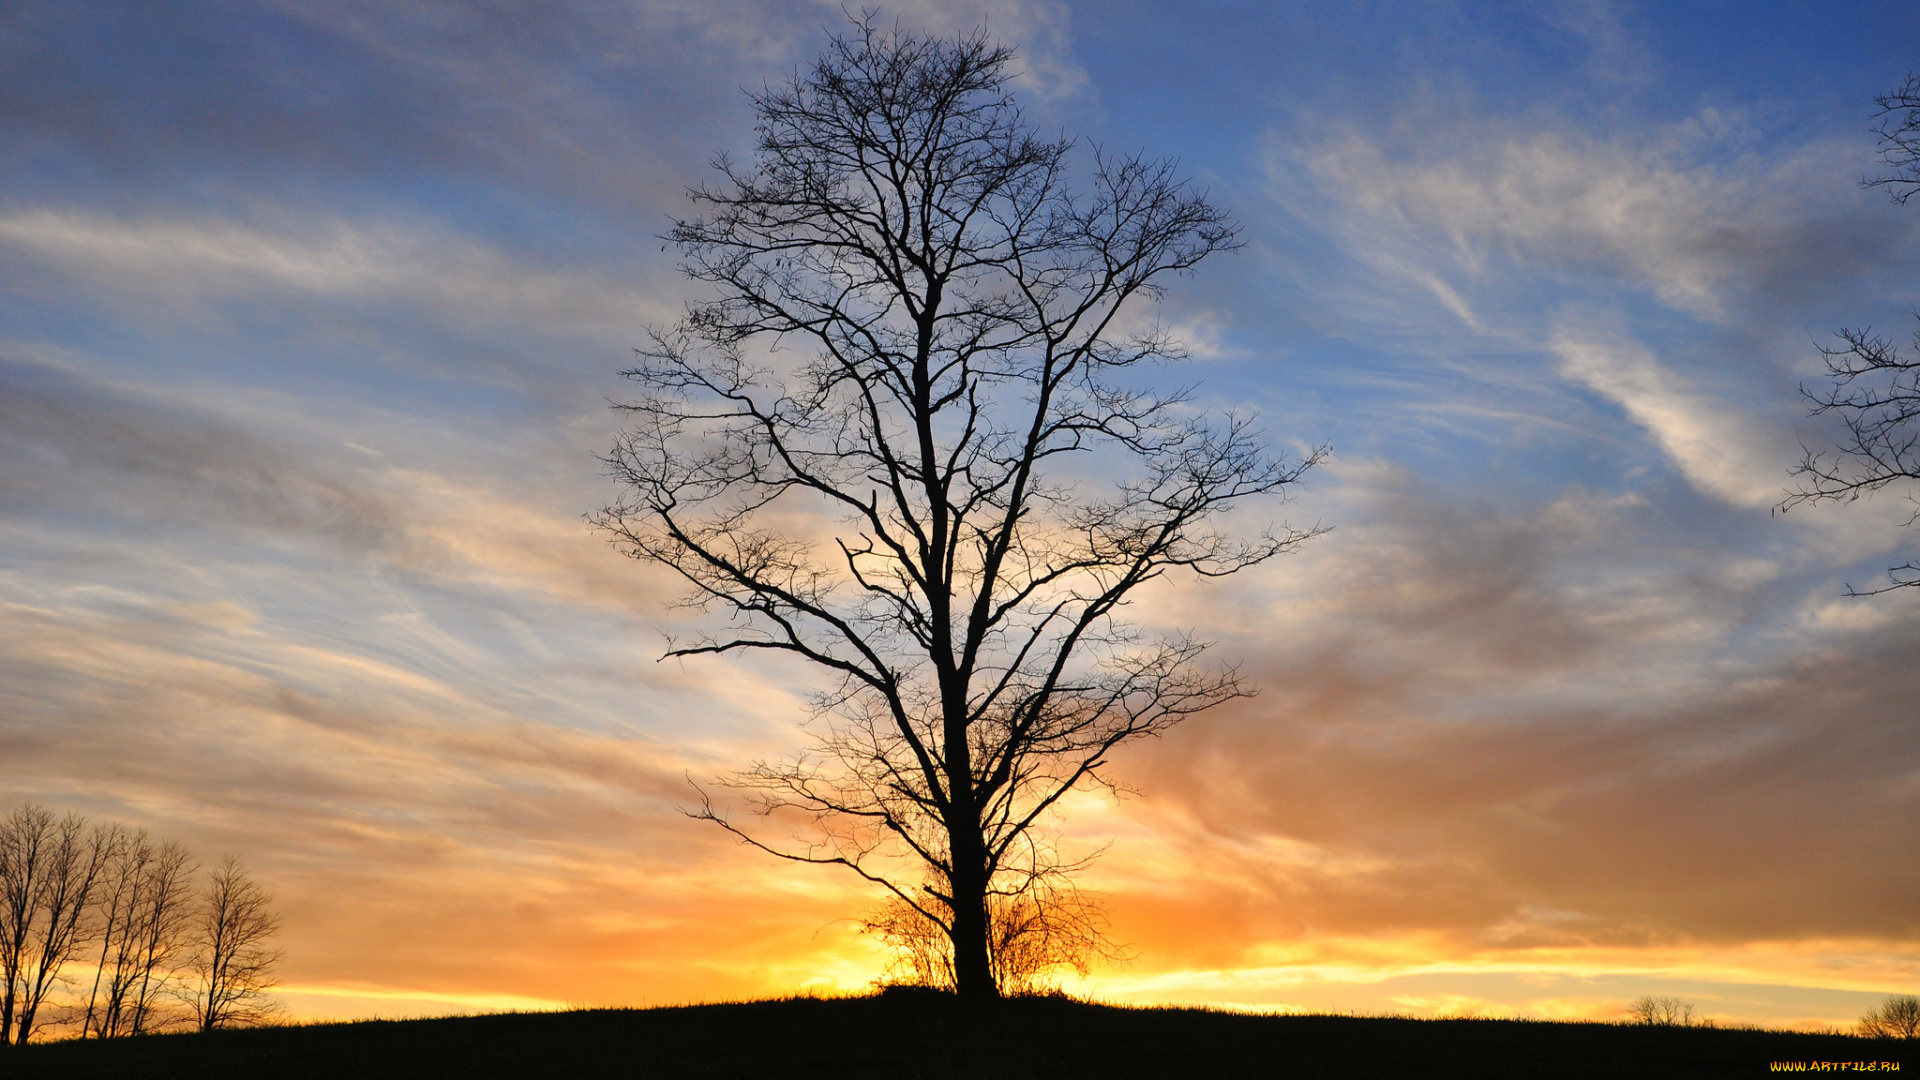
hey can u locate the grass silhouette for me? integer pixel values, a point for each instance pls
(931, 1036)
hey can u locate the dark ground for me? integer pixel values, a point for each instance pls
(921, 1036)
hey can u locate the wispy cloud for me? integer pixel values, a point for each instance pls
(186, 269)
(1698, 222)
(1721, 450)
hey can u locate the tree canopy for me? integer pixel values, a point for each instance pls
(904, 440)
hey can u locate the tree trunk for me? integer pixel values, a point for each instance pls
(972, 967)
(966, 846)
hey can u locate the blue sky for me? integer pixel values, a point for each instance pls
(309, 318)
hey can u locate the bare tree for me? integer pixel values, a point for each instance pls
(73, 858)
(912, 504)
(157, 936)
(114, 904)
(24, 840)
(121, 904)
(232, 964)
(62, 883)
(1899, 131)
(1662, 1011)
(1898, 1017)
(1873, 387)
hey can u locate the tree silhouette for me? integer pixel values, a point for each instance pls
(48, 872)
(232, 965)
(1899, 132)
(904, 441)
(162, 934)
(1662, 1011)
(129, 880)
(1872, 386)
(22, 866)
(64, 883)
(1898, 1017)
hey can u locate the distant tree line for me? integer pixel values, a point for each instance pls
(1898, 1017)
(105, 932)
(1662, 1011)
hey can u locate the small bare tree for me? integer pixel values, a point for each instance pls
(1662, 1011)
(112, 901)
(23, 855)
(1873, 387)
(1898, 1017)
(73, 858)
(897, 506)
(48, 869)
(158, 933)
(120, 906)
(232, 963)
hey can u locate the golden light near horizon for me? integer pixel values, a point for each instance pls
(303, 400)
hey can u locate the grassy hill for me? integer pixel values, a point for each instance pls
(925, 1036)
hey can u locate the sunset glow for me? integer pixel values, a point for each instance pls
(310, 317)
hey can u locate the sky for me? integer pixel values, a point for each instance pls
(310, 319)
